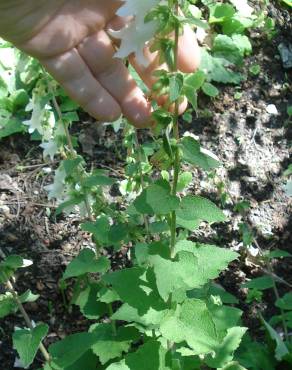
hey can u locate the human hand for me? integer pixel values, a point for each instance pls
(69, 38)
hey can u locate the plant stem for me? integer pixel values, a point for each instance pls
(176, 165)
(276, 292)
(69, 142)
(113, 322)
(138, 147)
(67, 133)
(27, 320)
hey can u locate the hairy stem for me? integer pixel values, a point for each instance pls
(70, 145)
(27, 320)
(138, 147)
(276, 292)
(176, 165)
(113, 322)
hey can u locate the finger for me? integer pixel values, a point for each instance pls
(97, 51)
(60, 27)
(188, 58)
(73, 74)
(188, 61)
(188, 48)
(188, 51)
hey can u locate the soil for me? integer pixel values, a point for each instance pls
(254, 147)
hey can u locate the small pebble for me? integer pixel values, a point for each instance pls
(272, 109)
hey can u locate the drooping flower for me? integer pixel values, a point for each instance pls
(136, 34)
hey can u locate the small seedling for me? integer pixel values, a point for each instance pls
(255, 69)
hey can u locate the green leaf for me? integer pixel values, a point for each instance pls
(131, 285)
(243, 44)
(255, 69)
(184, 179)
(136, 287)
(260, 283)
(207, 267)
(195, 80)
(87, 361)
(192, 83)
(191, 317)
(151, 318)
(210, 89)
(128, 283)
(70, 165)
(12, 262)
(285, 302)
(156, 199)
(19, 98)
(232, 48)
(194, 154)
(158, 227)
(149, 356)
(172, 276)
(28, 296)
(88, 303)
(68, 105)
(118, 366)
(3, 88)
(234, 365)
(279, 253)
(216, 69)
(27, 341)
(105, 234)
(10, 126)
(224, 317)
(7, 305)
(10, 265)
(259, 358)
(185, 272)
(288, 2)
(220, 12)
(196, 22)
(86, 262)
(68, 350)
(100, 229)
(117, 233)
(97, 179)
(175, 87)
(107, 295)
(74, 201)
(225, 349)
(236, 25)
(218, 290)
(281, 350)
(194, 209)
(278, 319)
(192, 97)
(109, 345)
(246, 234)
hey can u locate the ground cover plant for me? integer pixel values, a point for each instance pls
(163, 309)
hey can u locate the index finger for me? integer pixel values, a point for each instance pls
(188, 58)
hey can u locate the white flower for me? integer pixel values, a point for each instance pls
(134, 37)
(50, 149)
(57, 188)
(35, 122)
(136, 34)
(138, 8)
